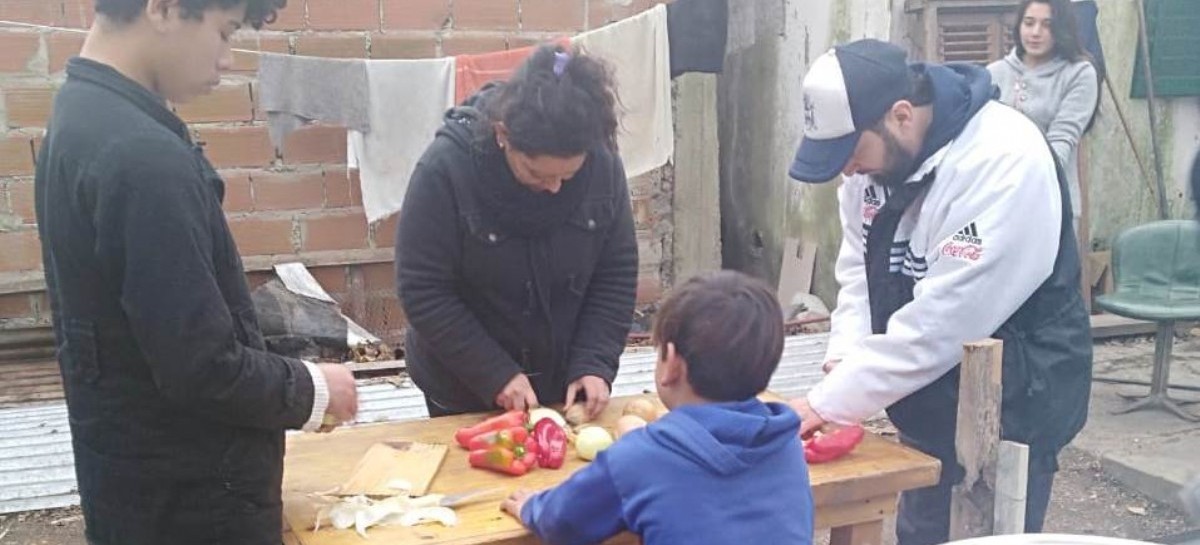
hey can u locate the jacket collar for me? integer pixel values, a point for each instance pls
(108, 77)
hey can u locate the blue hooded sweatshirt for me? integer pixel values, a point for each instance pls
(714, 473)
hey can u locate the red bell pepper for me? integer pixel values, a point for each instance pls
(831, 446)
(500, 460)
(527, 454)
(508, 438)
(507, 420)
(551, 443)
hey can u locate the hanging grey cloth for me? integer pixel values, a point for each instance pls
(295, 91)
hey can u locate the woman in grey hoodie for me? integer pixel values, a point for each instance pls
(1049, 77)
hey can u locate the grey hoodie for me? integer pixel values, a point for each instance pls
(1060, 97)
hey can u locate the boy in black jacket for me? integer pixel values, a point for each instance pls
(177, 411)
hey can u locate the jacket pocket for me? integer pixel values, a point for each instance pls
(78, 354)
(594, 216)
(484, 233)
(251, 468)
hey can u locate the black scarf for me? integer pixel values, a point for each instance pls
(518, 209)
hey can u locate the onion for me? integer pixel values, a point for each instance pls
(577, 415)
(539, 413)
(643, 408)
(628, 423)
(443, 515)
(590, 441)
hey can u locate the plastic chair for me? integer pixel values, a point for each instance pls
(1156, 272)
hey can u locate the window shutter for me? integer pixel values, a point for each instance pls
(978, 36)
(1171, 28)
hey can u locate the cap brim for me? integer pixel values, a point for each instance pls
(820, 161)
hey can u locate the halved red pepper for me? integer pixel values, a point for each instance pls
(831, 446)
(509, 419)
(551, 443)
(501, 460)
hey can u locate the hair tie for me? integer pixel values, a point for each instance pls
(561, 58)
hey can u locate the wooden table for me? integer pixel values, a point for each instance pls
(852, 495)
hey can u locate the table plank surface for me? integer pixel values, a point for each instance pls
(319, 462)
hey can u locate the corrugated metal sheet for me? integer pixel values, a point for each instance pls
(36, 463)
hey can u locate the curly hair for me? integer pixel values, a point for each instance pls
(258, 12)
(560, 102)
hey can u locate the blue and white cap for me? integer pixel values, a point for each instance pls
(847, 90)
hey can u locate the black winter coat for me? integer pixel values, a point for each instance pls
(176, 411)
(549, 292)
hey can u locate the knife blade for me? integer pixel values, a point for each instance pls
(469, 496)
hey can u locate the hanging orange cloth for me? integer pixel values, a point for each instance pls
(473, 71)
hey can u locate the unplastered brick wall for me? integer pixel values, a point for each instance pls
(301, 204)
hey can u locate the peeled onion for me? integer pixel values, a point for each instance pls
(628, 423)
(590, 441)
(576, 415)
(642, 408)
(539, 413)
(443, 515)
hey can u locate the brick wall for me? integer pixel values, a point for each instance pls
(301, 205)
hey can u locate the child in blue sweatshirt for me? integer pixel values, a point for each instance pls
(722, 466)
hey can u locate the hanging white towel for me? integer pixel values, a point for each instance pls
(639, 52)
(408, 100)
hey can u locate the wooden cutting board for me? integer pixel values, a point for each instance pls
(414, 462)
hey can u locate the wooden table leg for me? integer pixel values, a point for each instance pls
(864, 533)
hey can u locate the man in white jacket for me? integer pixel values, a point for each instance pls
(956, 228)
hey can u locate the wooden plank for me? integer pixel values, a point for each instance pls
(318, 462)
(30, 375)
(370, 366)
(856, 512)
(28, 353)
(27, 337)
(28, 387)
(696, 195)
(330, 258)
(414, 462)
(1106, 326)
(977, 439)
(1012, 480)
(37, 366)
(7, 401)
(796, 270)
(867, 533)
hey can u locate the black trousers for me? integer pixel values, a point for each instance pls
(924, 514)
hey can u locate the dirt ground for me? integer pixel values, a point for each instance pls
(1085, 502)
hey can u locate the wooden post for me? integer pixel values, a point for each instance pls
(1012, 480)
(1083, 236)
(978, 436)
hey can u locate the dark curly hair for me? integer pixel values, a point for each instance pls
(258, 12)
(559, 113)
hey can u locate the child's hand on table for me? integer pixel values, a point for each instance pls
(515, 501)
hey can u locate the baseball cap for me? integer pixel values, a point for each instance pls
(847, 90)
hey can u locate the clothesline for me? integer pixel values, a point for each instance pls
(640, 49)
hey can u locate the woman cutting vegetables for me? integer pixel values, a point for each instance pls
(516, 259)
